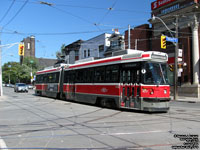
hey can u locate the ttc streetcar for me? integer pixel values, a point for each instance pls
(132, 81)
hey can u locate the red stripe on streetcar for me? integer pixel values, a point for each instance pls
(47, 71)
(96, 62)
(145, 55)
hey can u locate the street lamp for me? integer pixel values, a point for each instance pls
(175, 53)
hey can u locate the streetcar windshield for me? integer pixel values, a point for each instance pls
(155, 73)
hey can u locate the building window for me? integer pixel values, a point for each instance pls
(28, 45)
(114, 43)
(101, 48)
(88, 52)
(84, 53)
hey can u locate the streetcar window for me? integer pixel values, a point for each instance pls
(156, 73)
(66, 77)
(89, 75)
(112, 74)
(71, 76)
(79, 76)
(99, 74)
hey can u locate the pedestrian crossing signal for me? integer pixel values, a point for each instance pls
(21, 49)
(163, 42)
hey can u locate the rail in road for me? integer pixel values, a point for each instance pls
(31, 122)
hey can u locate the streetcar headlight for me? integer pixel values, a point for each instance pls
(165, 91)
(151, 91)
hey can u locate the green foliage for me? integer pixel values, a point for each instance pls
(20, 73)
(61, 52)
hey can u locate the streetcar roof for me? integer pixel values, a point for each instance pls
(132, 56)
(135, 56)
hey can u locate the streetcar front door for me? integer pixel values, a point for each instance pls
(129, 86)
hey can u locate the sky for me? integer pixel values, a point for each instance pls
(64, 21)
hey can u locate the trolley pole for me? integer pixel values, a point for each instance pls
(176, 63)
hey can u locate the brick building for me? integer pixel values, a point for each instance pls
(29, 46)
(140, 38)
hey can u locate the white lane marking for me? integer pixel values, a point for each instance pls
(3, 144)
(145, 132)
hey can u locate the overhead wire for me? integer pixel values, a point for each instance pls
(87, 7)
(6, 13)
(19, 10)
(109, 10)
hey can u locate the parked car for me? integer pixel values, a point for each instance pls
(21, 87)
(30, 86)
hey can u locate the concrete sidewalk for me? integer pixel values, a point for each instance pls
(186, 99)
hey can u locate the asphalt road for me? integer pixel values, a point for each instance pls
(31, 122)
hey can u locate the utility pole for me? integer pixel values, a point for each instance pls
(195, 50)
(176, 62)
(129, 37)
(175, 52)
(1, 87)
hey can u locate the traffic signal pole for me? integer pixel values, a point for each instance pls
(175, 53)
(176, 63)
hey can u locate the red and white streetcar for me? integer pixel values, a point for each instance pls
(133, 81)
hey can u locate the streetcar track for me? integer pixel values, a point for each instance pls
(84, 123)
(81, 125)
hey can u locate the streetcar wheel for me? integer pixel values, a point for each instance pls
(103, 102)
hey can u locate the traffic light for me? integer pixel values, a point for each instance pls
(171, 68)
(163, 42)
(21, 49)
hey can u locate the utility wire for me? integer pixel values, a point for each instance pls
(7, 11)
(109, 10)
(88, 7)
(69, 13)
(66, 12)
(20, 9)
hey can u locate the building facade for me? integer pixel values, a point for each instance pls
(72, 51)
(183, 14)
(29, 46)
(94, 47)
(117, 44)
(140, 38)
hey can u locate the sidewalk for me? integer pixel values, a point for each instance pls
(3, 97)
(186, 99)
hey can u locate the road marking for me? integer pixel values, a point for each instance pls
(3, 144)
(145, 132)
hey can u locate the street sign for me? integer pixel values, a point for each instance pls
(180, 53)
(171, 39)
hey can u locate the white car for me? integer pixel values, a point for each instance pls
(30, 86)
(21, 87)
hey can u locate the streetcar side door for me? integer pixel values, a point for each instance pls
(129, 84)
(72, 87)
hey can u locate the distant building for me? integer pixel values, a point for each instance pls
(45, 62)
(94, 47)
(29, 46)
(72, 52)
(117, 43)
(140, 38)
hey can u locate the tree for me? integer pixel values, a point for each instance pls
(20, 73)
(61, 52)
(11, 70)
